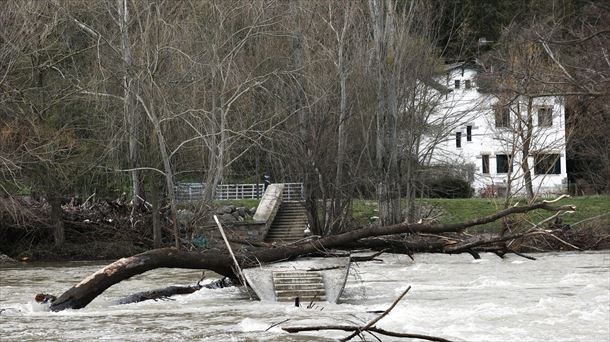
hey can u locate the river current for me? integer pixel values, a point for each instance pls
(559, 297)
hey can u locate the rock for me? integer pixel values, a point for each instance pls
(236, 215)
(252, 211)
(228, 209)
(227, 218)
(241, 211)
(184, 216)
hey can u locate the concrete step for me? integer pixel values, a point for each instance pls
(276, 238)
(296, 274)
(299, 293)
(295, 232)
(295, 216)
(289, 223)
(292, 281)
(290, 287)
(290, 232)
(307, 286)
(290, 217)
(303, 299)
(286, 234)
(285, 230)
(292, 204)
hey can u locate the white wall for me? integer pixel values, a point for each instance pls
(472, 108)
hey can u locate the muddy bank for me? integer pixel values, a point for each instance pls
(108, 230)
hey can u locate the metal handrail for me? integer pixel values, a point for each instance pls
(194, 191)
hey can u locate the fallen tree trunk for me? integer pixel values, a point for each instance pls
(220, 262)
(84, 292)
(167, 292)
(380, 331)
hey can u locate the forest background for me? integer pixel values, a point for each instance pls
(123, 99)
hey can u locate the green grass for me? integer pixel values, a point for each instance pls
(463, 209)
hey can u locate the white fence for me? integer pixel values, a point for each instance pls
(194, 191)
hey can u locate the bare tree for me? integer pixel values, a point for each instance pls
(399, 33)
(131, 115)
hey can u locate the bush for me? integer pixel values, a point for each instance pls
(448, 187)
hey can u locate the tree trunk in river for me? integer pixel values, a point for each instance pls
(220, 262)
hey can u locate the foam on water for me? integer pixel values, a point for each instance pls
(562, 297)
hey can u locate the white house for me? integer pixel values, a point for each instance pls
(490, 135)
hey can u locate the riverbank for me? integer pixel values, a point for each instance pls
(588, 237)
(105, 231)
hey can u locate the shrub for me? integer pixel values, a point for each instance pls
(448, 187)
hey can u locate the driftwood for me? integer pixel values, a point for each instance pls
(221, 262)
(370, 330)
(369, 327)
(372, 323)
(167, 292)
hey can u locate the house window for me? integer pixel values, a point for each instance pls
(458, 139)
(502, 114)
(467, 84)
(457, 84)
(468, 133)
(504, 163)
(547, 164)
(485, 159)
(545, 116)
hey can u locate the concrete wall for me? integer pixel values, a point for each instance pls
(269, 205)
(248, 231)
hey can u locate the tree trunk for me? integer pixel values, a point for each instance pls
(388, 184)
(527, 143)
(84, 292)
(154, 198)
(339, 198)
(57, 221)
(220, 262)
(169, 174)
(128, 102)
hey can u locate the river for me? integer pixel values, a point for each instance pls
(559, 297)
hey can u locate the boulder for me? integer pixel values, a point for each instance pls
(184, 216)
(227, 218)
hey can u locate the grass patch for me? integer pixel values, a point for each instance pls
(463, 209)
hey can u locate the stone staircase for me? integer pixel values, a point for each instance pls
(288, 224)
(307, 286)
